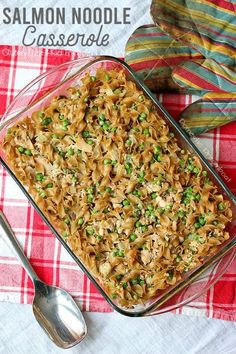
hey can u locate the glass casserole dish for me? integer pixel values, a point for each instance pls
(38, 94)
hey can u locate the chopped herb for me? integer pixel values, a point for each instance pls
(154, 195)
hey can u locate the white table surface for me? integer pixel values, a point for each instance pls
(110, 333)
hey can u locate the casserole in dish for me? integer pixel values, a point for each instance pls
(75, 81)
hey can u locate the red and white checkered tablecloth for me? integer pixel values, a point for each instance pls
(18, 66)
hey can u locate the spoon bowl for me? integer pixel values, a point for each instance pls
(54, 309)
(58, 315)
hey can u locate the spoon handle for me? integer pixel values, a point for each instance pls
(17, 247)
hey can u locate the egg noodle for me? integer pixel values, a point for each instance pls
(102, 165)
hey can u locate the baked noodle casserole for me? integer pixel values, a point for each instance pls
(102, 165)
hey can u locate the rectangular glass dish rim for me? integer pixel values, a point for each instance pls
(187, 141)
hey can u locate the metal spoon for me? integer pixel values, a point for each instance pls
(54, 309)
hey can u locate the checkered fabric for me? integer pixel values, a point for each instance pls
(18, 66)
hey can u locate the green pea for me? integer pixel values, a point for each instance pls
(64, 234)
(41, 115)
(142, 116)
(115, 107)
(102, 117)
(106, 126)
(114, 296)
(141, 98)
(90, 198)
(161, 210)
(49, 185)
(80, 221)
(146, 131)
(157, 157)
(65, 122)
(126, 202)
(124, 285)
(154, 195)
(55, 136)
(67, 221)
(99, 237)
(132, 237)
(144, 228)
(197, 225)
(142, 282)
(196, 170)
(107, 162)
(28, 152)
(138, 223)
(93, 78)
(108, 189)
(221, 206)
(90, 231)
(39, 177)
(157, 149)
(129, 142)
(90, 142)
(204, 173)
(119, 277)
(85, 134)
(136, 193)
(70, 152)
(181, 213)
(46, 121)
(61, 116)
(117, 91)
(107, 77)
(134, 281)
(74, 179)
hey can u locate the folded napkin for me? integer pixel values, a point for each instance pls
(208, 27)
(52, 263)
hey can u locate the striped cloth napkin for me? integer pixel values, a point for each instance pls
(52, 263)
